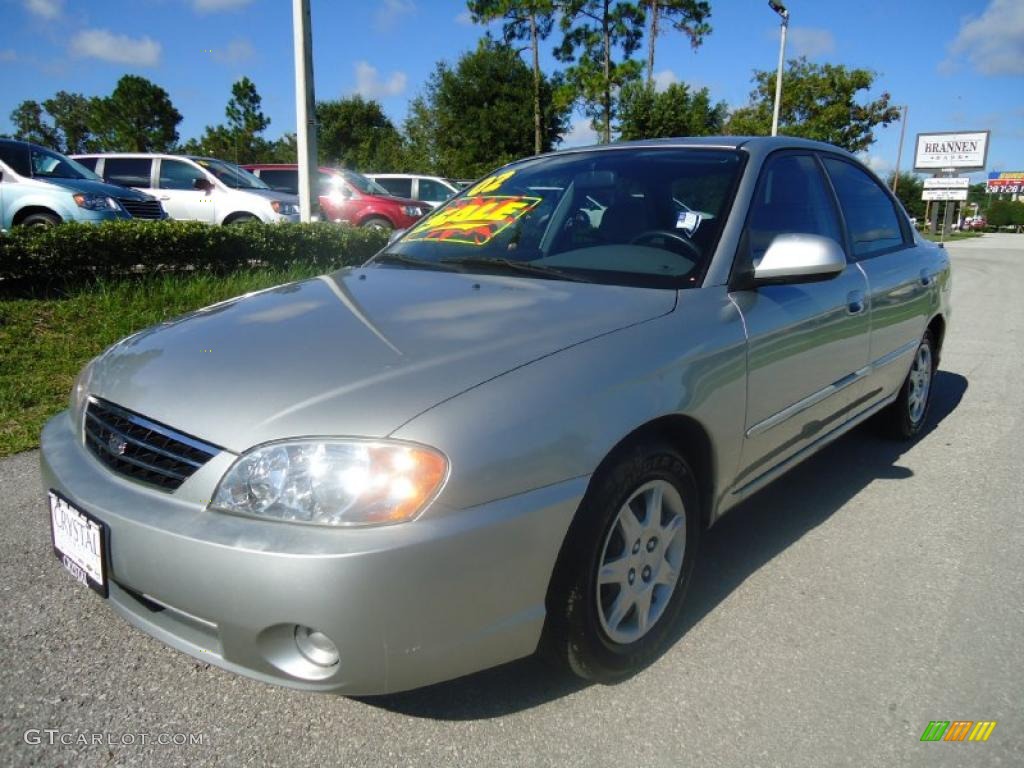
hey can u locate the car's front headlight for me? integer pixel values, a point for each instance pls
(94, 201)
(283, 208)
(80, 392)
(413, 210)
(333, 482)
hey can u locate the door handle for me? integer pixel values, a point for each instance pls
(926, 279)
(855, 302)
(165, 197)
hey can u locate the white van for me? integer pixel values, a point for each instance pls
(196, 188)
(432, 190)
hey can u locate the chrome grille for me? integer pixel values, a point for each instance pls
(140, 449)
(142, 209)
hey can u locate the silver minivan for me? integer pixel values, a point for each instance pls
(197, 188)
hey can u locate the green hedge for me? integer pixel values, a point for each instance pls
(76, 251)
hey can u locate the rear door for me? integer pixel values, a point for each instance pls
(900, 287)
(433, 192)
(176, 190)
(807, 347)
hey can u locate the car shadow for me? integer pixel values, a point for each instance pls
(741, 543)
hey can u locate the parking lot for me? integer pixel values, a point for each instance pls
(874, 589)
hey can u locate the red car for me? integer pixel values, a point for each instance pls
(346, 196)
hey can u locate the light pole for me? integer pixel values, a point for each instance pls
(899, 152)
(305, 106)
(780, 9)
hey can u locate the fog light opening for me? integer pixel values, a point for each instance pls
(316, 647)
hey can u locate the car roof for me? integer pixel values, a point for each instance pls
(753, 144)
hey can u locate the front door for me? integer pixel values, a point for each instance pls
(807, 343)
(176, 190)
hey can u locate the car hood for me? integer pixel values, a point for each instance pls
(393, 200)
(359, 353)
(100, 187)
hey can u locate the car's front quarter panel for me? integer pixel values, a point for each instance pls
(560, 416)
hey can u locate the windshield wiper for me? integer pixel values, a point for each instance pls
(511, 265)
(409, 261)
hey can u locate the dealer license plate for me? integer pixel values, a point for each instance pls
(78, 542)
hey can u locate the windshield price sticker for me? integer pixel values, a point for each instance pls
(473, 220)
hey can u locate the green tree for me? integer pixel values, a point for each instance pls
(355, 133)
(819, 101)
(240, 139)
(137, 117)
(908, 190)
(686, 16)
(677, 111)
(480, 114)
(72, 115)
(1003, 213)
(530, 20)
(30, 124)
(595, 32)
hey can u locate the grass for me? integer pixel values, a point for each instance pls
(45, 342)
(950, 237)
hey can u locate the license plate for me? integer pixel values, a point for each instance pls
(78, 542)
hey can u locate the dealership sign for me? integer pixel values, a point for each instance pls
(944, 194)
(947, 182)
(936, 151)
(1009, 182)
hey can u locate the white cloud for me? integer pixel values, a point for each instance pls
(580, 134)
(994, 41)
(47, 9)
(212, 6)
(8, 54)
(391, 12)
(810, 42)
(370, 84)
(465, 19)
(236, 52)
(119, 49)
(664, 79)
(877, 163)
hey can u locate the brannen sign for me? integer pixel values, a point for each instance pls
(936, 151)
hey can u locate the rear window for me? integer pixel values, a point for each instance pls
(397, 187)
(127, 171)
(281, 179)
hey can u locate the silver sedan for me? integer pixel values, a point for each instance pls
(508, 430)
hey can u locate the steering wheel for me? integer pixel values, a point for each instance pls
(691, 250)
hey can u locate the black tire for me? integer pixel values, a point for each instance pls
(41, 220)
(576, 634)
(378, 222)
(245, 218)
(901, 421)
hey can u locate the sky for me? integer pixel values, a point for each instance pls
(956, 65)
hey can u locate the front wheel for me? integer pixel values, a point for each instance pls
(41, 220)
(905, 418)
(378, 223)
(621, 577)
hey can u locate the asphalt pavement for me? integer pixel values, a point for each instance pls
(874, 589)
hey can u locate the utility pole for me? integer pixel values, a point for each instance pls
(305, 106)
(899, 152)
(780, 9)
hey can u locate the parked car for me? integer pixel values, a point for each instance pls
(507, 430)
(42, 188)
(197, 188)
(346, 196)
(427, 189)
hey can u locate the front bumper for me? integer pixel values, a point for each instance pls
(408, 605)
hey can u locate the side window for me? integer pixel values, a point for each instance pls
(397, 187)
(431, 190)
(871, 218)
(791, 198)
(17, 158)
(177, 174)
(127, 171)
(88, 162)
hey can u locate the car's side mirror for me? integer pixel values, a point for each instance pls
(204, 185)
(799, 258)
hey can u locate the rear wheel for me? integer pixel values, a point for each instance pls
(379, 223)
(905, 418)
(244, 218)
(623, 571)
(41, 220)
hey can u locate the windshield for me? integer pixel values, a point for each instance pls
(232, 175)
(364, 185)
(39, 163)
(638, 216)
